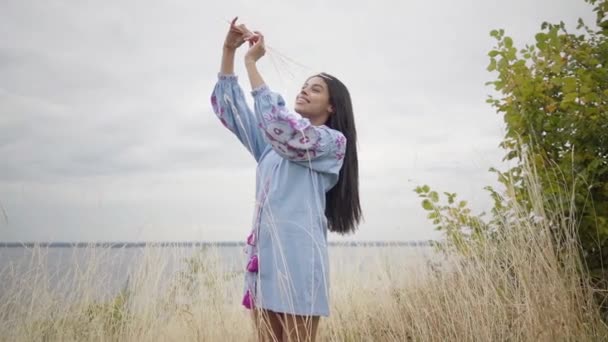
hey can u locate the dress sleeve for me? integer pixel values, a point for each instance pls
(294, 137)
(228, 102)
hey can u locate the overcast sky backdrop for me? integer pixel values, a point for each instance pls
(107, 133)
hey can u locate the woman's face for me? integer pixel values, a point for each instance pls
(313, 101)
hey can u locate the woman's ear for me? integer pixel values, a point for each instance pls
(330, 109)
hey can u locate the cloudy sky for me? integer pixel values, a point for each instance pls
(107, 134)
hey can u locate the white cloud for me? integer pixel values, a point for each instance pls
(106, 131)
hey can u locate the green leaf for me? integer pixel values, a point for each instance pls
(434, 196)
(427, 205)
(570, 98)
(492, 65)
(450, 196)
(568, 84)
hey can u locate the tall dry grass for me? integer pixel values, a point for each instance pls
(520, 285)
(523, 282)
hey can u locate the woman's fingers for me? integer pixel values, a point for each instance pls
(258, 44)
(255, 36)
(241, 28)
(253, 39)
(259, 38)
(243, 32)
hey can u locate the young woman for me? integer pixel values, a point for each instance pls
(306, 184)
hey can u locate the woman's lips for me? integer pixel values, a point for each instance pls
(301, 99)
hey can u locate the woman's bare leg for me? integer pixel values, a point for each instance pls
(300, 328)
(268, 325)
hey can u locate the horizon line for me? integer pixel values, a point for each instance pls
(131, 244)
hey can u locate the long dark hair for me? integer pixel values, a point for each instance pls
(342, 209)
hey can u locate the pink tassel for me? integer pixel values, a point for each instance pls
(252, 266)
(247, 300)
(251, 239)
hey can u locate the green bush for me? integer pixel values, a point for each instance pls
(553, 96)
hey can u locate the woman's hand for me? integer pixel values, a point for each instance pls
(237, 35)
(257, 48)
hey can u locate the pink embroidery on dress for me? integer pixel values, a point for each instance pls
(251, 239)
(281, 147)
(248, 300)
(284, 149)
(269, 117)
(303, 124)
(214, 103)
(341, 144)
(227, 77)
(340, 141)
(277, 131)
(317, 145)
(270, 137)
(252, 266)
(293, 122)
(305, 140)
(306, 155)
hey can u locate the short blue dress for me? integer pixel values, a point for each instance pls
(297, 163)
